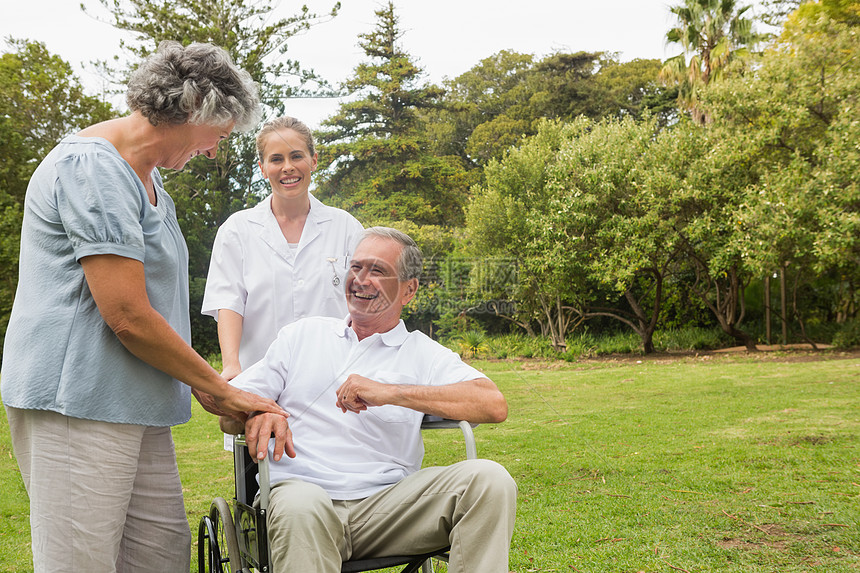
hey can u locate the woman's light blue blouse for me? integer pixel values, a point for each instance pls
(59, 355)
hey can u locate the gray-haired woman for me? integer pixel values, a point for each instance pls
(96, 363)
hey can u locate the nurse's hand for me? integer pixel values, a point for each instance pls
(230, 371)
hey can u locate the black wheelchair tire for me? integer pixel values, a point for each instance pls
(218, 546)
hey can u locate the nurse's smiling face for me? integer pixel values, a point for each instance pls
(288, 163)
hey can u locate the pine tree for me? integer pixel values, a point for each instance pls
(374, 153)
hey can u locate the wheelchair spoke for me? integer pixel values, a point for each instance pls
(225, 557)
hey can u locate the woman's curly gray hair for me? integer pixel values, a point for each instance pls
(197, 84)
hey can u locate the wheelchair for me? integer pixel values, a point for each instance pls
(236, 541)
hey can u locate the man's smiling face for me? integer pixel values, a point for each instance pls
(374, 293)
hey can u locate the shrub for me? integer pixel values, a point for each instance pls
(690, 338)
(472, 343)
(848, 335)
(619, 343)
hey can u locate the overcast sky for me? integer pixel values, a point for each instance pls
(446, 37)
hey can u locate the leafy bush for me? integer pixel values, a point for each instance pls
(580, 346)
(584, 344)
(518, 345)
(690, 338)
(848, 335)
(619, 343)
(472, 343)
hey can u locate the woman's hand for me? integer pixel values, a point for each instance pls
(238, 404)
(208, 402)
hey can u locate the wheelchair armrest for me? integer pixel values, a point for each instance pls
(437, 423)
(244, 464)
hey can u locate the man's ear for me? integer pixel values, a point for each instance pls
(409, 291)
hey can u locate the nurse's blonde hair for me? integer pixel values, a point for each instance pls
(285, 122)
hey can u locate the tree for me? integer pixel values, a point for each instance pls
(41, 101)
(705, 182)
(633, 89)
(603, 211)
(207, 192)
(478, 96)
(776, 11)
(712, 32)
(375, 157)
(840, 11)
(797, 113)
(503, 226)
(495, 104)
(257, 41)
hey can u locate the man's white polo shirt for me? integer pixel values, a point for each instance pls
(349, 455)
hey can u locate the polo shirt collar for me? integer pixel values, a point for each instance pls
(394, 337)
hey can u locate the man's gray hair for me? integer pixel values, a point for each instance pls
(410, 262)
(197, 84)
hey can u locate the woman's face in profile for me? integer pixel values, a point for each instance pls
(194, 140)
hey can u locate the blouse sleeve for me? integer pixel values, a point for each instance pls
(100, 204)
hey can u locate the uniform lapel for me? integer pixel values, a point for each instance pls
(269, 231)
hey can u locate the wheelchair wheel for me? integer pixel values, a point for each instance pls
(218, 547)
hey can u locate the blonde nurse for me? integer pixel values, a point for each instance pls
(282, 260)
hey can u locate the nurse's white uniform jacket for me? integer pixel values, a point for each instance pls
(256, 273)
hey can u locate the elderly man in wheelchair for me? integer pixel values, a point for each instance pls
(345, 467)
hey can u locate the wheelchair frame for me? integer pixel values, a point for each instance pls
(240, 545)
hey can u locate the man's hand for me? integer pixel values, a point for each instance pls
(478, 401)
(357, 393)
(231, 426)
(260, 427)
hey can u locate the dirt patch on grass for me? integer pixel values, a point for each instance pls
(777, 539)
(747, 545)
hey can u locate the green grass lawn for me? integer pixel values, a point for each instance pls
(713, 463)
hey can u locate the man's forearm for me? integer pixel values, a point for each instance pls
(231, 426)
(476, 401)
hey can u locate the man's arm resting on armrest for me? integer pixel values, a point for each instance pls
(477, 401)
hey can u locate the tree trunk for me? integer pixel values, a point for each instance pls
(727, 304)
(767, 336)
(742, 337)
(783, 305)
(648, 342)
